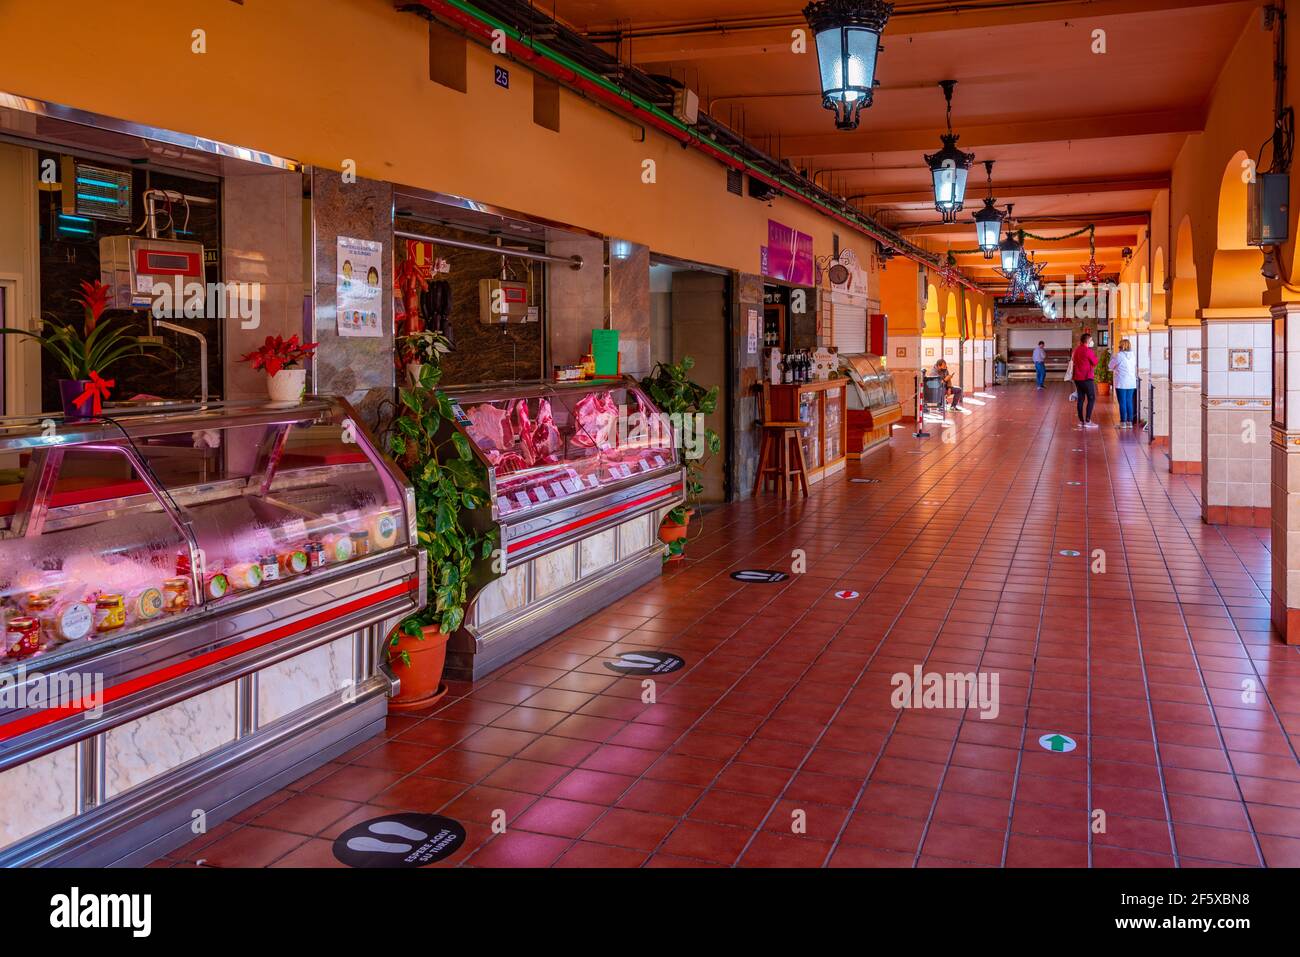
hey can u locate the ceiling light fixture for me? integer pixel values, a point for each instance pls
(949, 166)
(988, 221)
(1009, 249)
(847, 34)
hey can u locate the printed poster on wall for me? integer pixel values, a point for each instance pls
(359, 287)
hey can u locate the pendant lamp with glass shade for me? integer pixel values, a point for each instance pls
(949, 166)
(847, 35)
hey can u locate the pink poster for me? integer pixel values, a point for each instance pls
(789, 254)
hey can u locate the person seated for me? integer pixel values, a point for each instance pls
(950, 389)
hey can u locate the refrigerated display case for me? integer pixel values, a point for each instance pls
(193, 599)
(580, 476)
(873, 405)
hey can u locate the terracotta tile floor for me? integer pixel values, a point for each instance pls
(782, 713)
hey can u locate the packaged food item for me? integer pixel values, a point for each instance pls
(110, 613)
(146, 603)
(175, 595)
(338, 548)
(183, 565)
(360, 543)
(216, 585)
(315, 555)
(270, 567)
(383, 530)
(245, 575)
(22, 637)
(73, 620)
(293, 562)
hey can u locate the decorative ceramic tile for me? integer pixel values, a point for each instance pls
(901, 352)
(1240, 359)
(1193, 357)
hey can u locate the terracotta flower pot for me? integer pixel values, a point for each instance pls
(670, 531)
(421, 679)
(1103, 388)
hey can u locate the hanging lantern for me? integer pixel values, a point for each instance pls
(847, 34)
(949, 166)
(988, 221)
(1010, 250)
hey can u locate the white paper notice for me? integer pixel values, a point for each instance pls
(659, 461)
(522, 499)
(358, 287)
(558, 489)
(541, 494)
(593, 481)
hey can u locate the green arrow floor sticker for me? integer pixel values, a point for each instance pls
(1061, 743)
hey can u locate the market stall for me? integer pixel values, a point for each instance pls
(580, 476)
(820, 403)
(193, 598)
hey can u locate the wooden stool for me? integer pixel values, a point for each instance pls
(780, 458)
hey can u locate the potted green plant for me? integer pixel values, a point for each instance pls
(1102, 373)
(86, 354)
(418, 349)
(672, 391)
(448, 481)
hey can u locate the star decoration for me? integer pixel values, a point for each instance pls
(1092, 271)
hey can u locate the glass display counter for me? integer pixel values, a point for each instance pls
(580, 476)
(192, 600)
(873, 405)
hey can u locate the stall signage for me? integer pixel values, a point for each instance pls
(763, 577)
(645, 663)
(501, 76)
(789, 254)
(399, 840)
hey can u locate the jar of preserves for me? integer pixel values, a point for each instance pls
(110, 613)
(23, 636)
(176, 595)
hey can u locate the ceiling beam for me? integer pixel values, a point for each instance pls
(699, 40)
(1006, 191)
(1054, 130)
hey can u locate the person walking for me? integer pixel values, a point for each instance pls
(1124, 365)
(1040, 363)
(1082, 362)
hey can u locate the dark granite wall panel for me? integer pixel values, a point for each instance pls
(359, 369)
(485, 353)
(746, 396)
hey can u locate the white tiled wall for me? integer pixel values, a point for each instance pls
(1226, 341)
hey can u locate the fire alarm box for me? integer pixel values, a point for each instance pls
(1267, 202)
(503, 300)
(132, 265)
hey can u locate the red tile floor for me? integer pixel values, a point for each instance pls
(784, 703)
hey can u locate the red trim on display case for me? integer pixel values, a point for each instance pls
(39, 719)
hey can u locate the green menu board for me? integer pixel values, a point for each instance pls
(604, 351)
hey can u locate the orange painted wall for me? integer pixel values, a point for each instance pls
(322, 82)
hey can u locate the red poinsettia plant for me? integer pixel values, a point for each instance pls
(279, 353)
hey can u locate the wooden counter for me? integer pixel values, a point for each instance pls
(820, 404)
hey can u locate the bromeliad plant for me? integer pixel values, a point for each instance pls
(670, 387)
(448, 481)
(93, 348)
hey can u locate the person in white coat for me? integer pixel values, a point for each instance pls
(1123, 365)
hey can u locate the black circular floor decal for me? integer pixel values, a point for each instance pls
(645, 663)
(399, 840)
(755, 575)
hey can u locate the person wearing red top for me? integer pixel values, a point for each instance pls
(1082, 363)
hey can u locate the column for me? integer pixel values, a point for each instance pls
(1236, 409)
(1143, 347)
(1185, 364)
(1160, 386)
(904, 364)
(1285, 452)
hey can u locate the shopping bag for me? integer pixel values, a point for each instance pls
(1069, 370)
